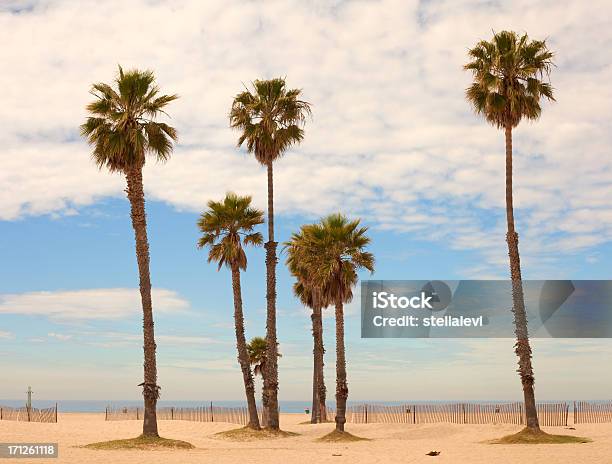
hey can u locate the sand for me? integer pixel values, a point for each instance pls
(390, 443)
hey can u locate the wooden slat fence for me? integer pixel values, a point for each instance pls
(502, 413)
(123, 413)
(550, 414)
(553, 414)
(197, 414)
(588, 412)
(29, 414)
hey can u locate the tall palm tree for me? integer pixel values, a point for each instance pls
(225, 227)
(311, 297)
(271, 120)
(122, 129)
(336, 252)
(509, 82)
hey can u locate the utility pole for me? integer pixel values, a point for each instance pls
(29, 402)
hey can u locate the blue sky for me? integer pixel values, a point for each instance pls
(392, 141)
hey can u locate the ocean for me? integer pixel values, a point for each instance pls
(285, 406)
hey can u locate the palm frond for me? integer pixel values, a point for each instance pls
(509, 73)
(324, 258)
(122, 129)
(224, 223)
(270, 118)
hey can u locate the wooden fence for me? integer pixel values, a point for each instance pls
(588, 413)
(550, 414)
(28, 414)
(198, 414)
(553, 414)
(114, 413)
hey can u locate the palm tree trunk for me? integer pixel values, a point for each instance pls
(318, 352)
(243, 356)
(522, 347)
(150, 390)
(264, 404)
(341, 385)
(314, 413)
(271, 377)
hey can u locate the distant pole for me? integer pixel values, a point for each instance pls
(29, 402)
(56, 413)
(212, 416)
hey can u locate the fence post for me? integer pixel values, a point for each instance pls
(212, 415)
(414, 413)
(172, 413)
(366, 413)
(0, 413)
(56, 413)
(137, 418)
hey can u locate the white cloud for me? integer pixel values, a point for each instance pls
(59, 336)
(89, 304)
(229, 364)
(392, 138)
(122, 338)
(4, 335)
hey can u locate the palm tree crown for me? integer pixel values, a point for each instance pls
(336, 252)
(270, 118)
(257, 349)
(226, 226)
(122, 128)
(509, 76)
(305, 288)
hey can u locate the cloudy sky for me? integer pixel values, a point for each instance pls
(392, 140)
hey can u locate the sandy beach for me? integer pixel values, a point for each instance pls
(405, 443)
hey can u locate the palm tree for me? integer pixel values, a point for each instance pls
(336, 251)
(122, 130)
(508, 85)
(226, 226)
(257, 350)
(311, 297)
(271, 121)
